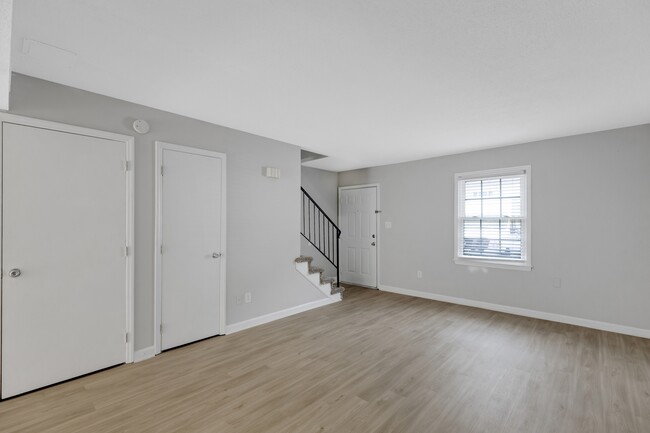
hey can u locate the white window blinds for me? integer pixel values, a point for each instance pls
(492, 216)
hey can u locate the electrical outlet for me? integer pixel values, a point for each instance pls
(238, 299)
(248, 298)
(419, 275)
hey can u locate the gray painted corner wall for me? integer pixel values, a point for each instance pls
(322, 185)
(590, 213)
(262, 214)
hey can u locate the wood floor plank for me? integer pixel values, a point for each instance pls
(377, 363)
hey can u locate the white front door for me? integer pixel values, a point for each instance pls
(190, 230)
(358, 244)
(64, 270)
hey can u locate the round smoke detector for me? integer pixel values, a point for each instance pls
(141, 126)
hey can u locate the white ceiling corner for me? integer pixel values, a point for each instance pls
(366, 83)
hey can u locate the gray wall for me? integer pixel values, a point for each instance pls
(263, 214)
(590, 216)
(322, 185)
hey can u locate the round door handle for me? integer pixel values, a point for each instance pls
(14, 273)
(373, 244)
(216, 255)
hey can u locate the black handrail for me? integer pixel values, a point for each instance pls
(320, 231)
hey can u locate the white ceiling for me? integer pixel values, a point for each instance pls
(367, 82)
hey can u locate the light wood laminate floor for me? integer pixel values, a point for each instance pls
(376, 362)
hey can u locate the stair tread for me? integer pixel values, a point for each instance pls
(303, 259)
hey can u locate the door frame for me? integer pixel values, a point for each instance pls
(129, 168)
(160, 146)
(378, 220)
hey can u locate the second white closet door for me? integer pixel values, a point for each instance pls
(191, 247)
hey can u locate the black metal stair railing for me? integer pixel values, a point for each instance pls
(320, 231)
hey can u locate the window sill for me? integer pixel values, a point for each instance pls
(482, 263)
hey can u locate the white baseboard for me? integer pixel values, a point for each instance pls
(142, 354)
(587, 323)
(240, 326)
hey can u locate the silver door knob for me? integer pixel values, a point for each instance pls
(373, 244)
(14, 273)
(216, 255)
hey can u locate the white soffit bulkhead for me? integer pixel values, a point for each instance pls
(365, 83)
(6, 7)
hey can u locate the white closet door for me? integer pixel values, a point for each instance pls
(191, 238)
(64, 231)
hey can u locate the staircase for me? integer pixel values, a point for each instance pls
(321, 232)
(315, 276)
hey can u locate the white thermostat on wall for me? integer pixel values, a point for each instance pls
(141, 126)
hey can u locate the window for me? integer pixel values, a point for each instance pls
(493, 218)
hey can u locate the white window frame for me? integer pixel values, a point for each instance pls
(524, 264)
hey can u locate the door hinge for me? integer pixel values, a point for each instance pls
(126, 165)
(162, 171)
(126, 251)
(161, 249)
(126, 337)
(161, 328)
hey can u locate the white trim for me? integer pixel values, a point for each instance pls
(130, 241)
(159, 147)
(63, 127)
(378, 221)
(553, 317)
(261, 320)
(128, 141)
(494, 172)
(482, 263)
(365, 185)
(144, 354)
(521, 265)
